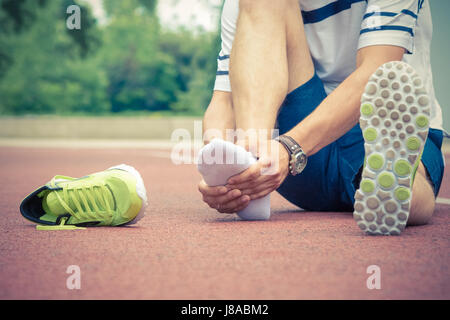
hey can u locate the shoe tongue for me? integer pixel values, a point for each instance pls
(53, 205)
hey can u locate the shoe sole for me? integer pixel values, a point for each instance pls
(140, 189)
(394, 121)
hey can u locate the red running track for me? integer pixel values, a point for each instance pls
(184, 250)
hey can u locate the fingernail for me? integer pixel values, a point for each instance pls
(223, 190)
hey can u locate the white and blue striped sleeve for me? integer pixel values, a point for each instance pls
(230, 14)
(390, 22)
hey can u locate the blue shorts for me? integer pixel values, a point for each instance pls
(332, 175)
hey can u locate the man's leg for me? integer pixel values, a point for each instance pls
(423, 200)
(268, 61)
(270, 57)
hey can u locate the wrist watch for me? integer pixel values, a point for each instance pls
(298, 158)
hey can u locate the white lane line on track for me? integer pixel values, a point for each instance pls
(442, 200)
(95, 144)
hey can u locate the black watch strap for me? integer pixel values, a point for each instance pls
(290, 144)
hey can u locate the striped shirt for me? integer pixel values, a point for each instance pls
(335, 30)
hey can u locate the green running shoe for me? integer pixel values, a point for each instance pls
(394, 120)
(113, 197)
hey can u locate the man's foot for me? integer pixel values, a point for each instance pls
(218, 161)
(113, 197)
(394, 121)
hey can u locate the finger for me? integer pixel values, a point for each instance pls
(251, 184)
(270, 185)
(212, 205)
(263, 167)
(251, 173)
(221, 200)
(211, 191)
(261, 194)
(242, 207)
(235, 205)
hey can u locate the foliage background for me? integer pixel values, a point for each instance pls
(129, 64)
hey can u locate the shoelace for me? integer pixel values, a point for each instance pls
(95, 196)
(61, 226)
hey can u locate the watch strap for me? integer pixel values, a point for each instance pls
(290, 144)
(293, 149)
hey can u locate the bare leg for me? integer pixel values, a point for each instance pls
(423, 201)
(219, 117)
(270, 57)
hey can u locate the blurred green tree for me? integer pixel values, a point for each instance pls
(47, 72)
(196, 68)
(128, 63)
(140, 76)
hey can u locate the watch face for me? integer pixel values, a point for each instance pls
(300, 162)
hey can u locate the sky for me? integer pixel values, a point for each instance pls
(189, 13)
(173, 13)
(97, 9)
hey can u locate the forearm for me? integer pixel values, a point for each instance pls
(339, 112)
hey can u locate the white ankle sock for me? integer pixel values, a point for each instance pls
(218, 161)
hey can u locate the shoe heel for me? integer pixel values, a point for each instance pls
(140, 189)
